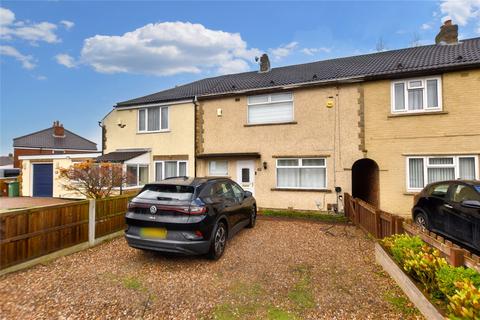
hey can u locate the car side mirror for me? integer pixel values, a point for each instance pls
(247, 194)
(475, 204)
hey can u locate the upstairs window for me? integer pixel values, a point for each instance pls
(270, 108)
(417, 95)
(153, 119)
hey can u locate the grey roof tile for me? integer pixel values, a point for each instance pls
(402, 62)
(45, 139)
(119, 156)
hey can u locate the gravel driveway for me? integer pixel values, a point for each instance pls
(278, 270)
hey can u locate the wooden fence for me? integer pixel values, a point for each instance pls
(26, 234)
(30, 233)
(382, 224)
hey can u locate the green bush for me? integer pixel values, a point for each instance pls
(447, 276)
(465, 303)
(399, 244)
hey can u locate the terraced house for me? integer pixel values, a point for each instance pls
(380, 126)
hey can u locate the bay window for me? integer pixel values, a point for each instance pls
(298, 173)
(153, 119)
(270, 108)
(170, 168)
(424, 170)
(416, 95)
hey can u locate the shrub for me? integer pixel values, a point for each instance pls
(465, 303)
(423, 267)
(447, 276)
(398, 245)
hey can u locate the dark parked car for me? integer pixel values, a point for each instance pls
(451, 208)
(189, 215)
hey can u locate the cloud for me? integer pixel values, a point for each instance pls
(6, 16)
(67, 24)
(425, 26)
(27, 62)
(461, 11)
(168, 48)
(284, 50)
(65, 60)
(41, 78)
(312, 51)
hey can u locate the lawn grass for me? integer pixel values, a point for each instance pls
(301, 294)
(310, 215)
(132, 283)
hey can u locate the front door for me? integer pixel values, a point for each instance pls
(246, 175)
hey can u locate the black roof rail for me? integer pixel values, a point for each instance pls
(177, 177)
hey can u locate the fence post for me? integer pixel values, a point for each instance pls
(378, 224)
(91, 222)
(399, 225)
(457, 257)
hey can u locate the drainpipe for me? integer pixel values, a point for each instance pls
(103, 135)
(195, 105)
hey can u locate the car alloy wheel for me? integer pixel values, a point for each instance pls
(421, 221)
(220, 240)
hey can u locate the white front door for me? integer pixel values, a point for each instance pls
(246, 174)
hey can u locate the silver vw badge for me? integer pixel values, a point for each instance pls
(153, 209)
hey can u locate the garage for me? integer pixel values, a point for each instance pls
(42, 180)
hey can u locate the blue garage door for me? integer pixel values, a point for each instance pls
(43, 180)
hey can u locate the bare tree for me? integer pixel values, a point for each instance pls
(380, 45)
(93, 180)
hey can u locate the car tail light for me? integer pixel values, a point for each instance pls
(197, 207)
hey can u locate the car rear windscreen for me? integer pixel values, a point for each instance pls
(167, 192)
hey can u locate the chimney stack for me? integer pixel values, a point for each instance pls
(58, 130)
(448, 33)
(264, 63)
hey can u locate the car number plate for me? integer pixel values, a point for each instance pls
(153, 233)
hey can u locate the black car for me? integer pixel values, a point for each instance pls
(451, 208)
(189, 215)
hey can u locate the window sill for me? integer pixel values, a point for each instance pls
(413, 114)
(411, 193)
(302, 190)
(149, 132)
(269, 124)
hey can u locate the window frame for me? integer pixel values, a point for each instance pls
(163, 167)
(426, 165)
(269, 102)
(217, 175)
(160, 119)
(424, 87)
(300, 166)
(137, 165)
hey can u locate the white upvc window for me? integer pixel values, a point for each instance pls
(218, 168)
(423, 170)
(302, 173)
(416, 95)
(153, 119)
(270, 108)
(170, 168)
(137, 175)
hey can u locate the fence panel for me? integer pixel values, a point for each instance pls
(26, 234)
(110, 214)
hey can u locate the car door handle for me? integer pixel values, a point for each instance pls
(446, 205)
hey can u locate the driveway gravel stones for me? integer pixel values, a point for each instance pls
(278, 270)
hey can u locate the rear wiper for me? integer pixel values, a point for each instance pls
(164, 198)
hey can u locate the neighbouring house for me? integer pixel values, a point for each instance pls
(6, 162)
(39, 155)
(380, 126)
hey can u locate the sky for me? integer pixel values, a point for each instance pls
(73, 60)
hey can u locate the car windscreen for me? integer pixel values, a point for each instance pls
(167, 192)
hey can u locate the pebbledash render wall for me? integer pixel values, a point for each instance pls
(316, 131)
(177, 143)
(389, 139)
